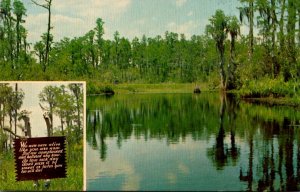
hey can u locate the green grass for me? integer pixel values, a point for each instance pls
(98, 87)
(266, 87)
(73, 181)
(271, 91)
(268, 91)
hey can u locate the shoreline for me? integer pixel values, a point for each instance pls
(148, 88)
(271, 101)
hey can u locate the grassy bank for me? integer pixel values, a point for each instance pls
(100, 88)
(286, 101)
(267, 91)
(271, 92)
(73, 182)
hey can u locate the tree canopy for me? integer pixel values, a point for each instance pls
(269, 50)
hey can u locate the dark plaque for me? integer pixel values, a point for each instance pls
(40, 158)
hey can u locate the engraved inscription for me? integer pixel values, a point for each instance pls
(40, 158)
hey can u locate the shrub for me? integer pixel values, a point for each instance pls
(269, 88)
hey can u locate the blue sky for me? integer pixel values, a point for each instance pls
(130, 17)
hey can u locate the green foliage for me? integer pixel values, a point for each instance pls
(274, 53)
(99, 88)
(214, 81)
(219, 27)
(270, 88)
(73, 182)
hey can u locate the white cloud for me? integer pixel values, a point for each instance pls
(131, 33)
(94, 8)
(180, 3)
(36, 25)
(185, 28)
(66, 26)
(75, 18)
(63, 26)
(111, 167)
(184, 169)
(171, 177)
(107, 9)
(140, 21)
(131, 183)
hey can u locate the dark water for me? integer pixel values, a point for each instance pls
(191, 142)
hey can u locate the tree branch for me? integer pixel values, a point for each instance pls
(43, 108)
(44, 6)
(8, 130)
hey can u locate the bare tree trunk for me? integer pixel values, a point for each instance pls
(18, 40)
(62, 125)
(51, 120)
(48, 7)
(10, 38)
(27, 127)
(10, 127)
(276, 64)
(231, 65)
(291, 24)
(3, 115)
(16, 110)
(48, 124)
(251, 7)
(281, 27)
(48, 33)
(299, 24)
(2, 111)
(222, 70)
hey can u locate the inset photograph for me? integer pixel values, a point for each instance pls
(41, 135)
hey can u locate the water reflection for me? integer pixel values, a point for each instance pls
(220, 154)
(170, 141)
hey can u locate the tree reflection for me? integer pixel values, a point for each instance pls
(276, 167)
(220, 154)
(233, 107)
(249, 175)
(103, 149)
(270, 137)
(94, 123)
(161, 117)
(94, 141)
(291, 180)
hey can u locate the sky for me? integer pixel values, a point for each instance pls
(132, 18)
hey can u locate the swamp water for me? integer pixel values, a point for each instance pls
(190, 142)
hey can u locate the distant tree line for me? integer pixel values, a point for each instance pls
(172, 57)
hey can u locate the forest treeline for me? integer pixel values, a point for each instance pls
(222, 56)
